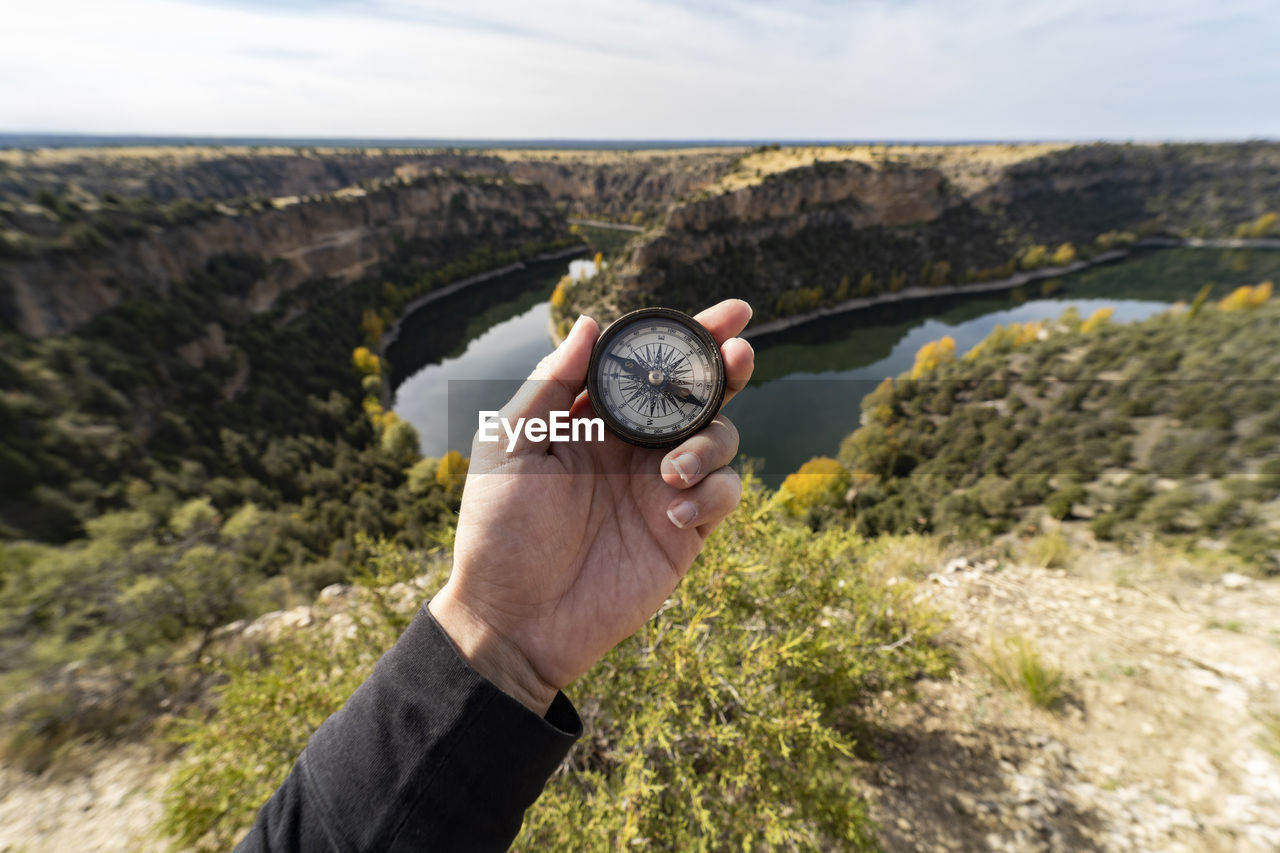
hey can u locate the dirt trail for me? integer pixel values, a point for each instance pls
(1160, 745)
(105, 801)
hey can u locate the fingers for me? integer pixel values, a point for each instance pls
(739, 363)
(725, 319)
(556, 382)
(708, 503)
(689, 463)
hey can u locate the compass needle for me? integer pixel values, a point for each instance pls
(643, 372)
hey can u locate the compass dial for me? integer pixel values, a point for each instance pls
(656, 377)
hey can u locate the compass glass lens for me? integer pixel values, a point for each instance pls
(657, 377)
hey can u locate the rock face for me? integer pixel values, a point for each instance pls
(335, 238)
(794, 240)
(812, 225)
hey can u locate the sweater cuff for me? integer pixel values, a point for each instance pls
(427, 752)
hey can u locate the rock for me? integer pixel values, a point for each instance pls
(1233, 580)
(333, 592)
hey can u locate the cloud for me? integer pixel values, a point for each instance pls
(645, 69)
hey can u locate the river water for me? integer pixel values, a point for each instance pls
(469, 351)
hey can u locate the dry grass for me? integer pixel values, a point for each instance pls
(1270, 738)
(1050, 551)
(910, 555)
(1016, 664)
(972, 167)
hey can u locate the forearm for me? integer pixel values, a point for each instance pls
(427, 754)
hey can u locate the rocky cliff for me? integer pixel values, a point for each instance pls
(336, 237)
(793, 230)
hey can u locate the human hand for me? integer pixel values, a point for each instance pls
(563, 550)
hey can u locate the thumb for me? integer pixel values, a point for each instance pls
(557, 380)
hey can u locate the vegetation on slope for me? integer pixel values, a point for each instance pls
(178, 462)
(1169, 425)
(729, 721)
(981, 215)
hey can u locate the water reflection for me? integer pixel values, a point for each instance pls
(809, 381)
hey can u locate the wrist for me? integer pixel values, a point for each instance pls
(491, 653)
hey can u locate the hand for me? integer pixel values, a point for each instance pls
(564, 550)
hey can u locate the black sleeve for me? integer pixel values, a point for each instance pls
(425, 755)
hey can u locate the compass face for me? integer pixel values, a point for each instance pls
(656, 377)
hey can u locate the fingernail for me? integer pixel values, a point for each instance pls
(582, 318)
(683, 513)
(687, 466)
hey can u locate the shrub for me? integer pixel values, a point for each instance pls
(821, 480)
(366, 362)
(1034, 257)
(1245, 298)
(725, 723)
(1060, 502)
(1063, 255)
(933, 354)
(1096, 319)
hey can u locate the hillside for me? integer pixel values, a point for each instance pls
(1168, 427)
(792, 230)
(194, 388)
(195, 435)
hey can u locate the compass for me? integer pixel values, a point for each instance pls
(655, 377)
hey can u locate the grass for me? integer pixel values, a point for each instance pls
(1017, 665)
(1051, 551)
(1270, 738)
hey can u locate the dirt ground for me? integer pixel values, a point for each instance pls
(1160, 743)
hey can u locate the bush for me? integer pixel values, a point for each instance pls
(821, 480)
(1060, 502)
(727, 722)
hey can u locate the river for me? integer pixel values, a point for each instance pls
(468, 351)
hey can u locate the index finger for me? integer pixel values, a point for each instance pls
(724, 320)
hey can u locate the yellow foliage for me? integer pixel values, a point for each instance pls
(932, 354)
(937, 274)
(1063, 255)
(801, 299)
(598, 260)
(1034, 257)
(366, 362)
(1025, 333)
(1259, 227)
(820, 480)
(1246, 297)
(1112, 239)
(372, 408)
(842, 289)
(373, 325)
(1096, 319)
(561, 294)
(1005, 338)
(451, 471)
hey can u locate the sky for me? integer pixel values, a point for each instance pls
(644, 69)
